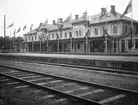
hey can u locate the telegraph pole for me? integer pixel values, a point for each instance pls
(4, 30)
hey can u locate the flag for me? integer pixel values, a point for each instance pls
(18, 30)
(58, 21)
(104, 13)
(128, 9)
(11, 25)
(84, 15)
(14, 31)
(68, 18)
(46, 22)
(31, 27)
(24, 27)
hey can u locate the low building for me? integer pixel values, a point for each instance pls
(104, 32)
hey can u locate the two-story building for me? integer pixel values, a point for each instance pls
(104, 32)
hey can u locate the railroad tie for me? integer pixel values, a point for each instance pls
(39, 79)
(88, 93)
(60, 100)
(66, 84)
(47, 96)
(4, 80)
(55, 81)
(11, 83)
(29, 76)
(82, 88)
(23, 86)
(49, 82)
(112, 99)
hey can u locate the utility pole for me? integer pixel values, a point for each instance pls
(4, 30)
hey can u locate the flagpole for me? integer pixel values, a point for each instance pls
(47, 41)
(106, 33)
(4, 30)
(132, 27)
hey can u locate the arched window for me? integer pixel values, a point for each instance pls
(114, 29)
(96, 31)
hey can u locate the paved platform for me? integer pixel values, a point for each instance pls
(88, 57)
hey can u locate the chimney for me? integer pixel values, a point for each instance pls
(61, 20)
(113, 10)
(76, 17)
(54, 22)
(40, 24)
(103, 11)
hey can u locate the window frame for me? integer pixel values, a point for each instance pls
(96, 31)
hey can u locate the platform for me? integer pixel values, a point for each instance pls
(120, 62)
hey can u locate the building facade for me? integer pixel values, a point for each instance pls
(104, 32)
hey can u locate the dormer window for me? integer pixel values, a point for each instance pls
(114, 29)
(96, 31)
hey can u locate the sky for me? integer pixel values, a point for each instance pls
(27, 12)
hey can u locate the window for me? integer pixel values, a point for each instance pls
(29, 38)
(125, 29)
(78, 45)
(52, 35)
(49, 36)
(88, 32)
(137, 29)
(70, 34)
(65, 35)
(32, 38)
(103, 30)
(136, 43)
(80, 32)
(96, 31)
(60, 34)
(35, 37)
(76, 33)
(57, 36)
(129, 44)
(114, 30)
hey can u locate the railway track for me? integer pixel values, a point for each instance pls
(89, 93)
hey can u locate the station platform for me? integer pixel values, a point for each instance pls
(120, 62)
(89, 57)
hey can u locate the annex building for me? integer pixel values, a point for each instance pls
(104, 32)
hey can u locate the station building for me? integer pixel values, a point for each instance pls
(101, 33)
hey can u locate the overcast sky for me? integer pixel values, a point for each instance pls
(23, 12)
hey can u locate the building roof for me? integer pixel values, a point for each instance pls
(110, 17)
(31, 32)
(94, 19)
